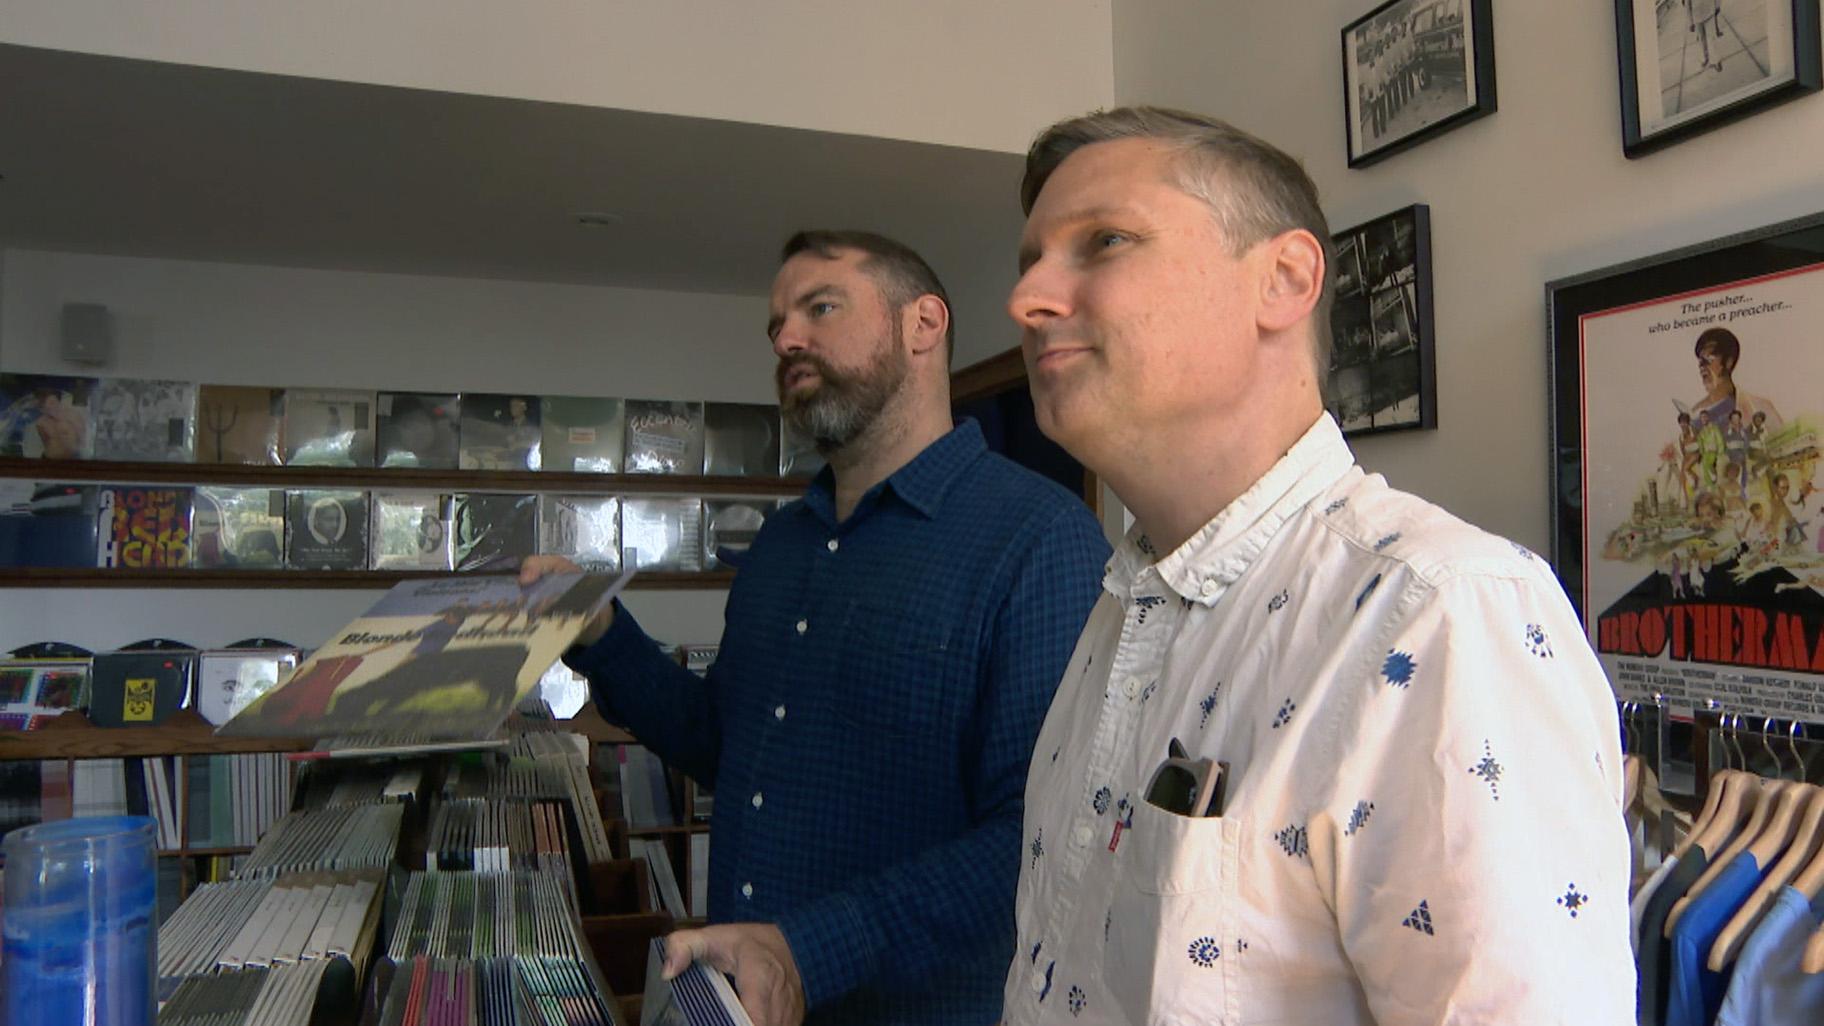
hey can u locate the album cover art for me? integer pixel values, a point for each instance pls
(664, 437)
(582, 528)
(144, 421)
(740, 439)
(46, 416)
(798, 455)
(501, 432)
(443, 657)
(583, 434)
(239, 424)
(48, 524)
(326, 530)
(417, 429)
(729, 527)
(662, 533)
(329, 427)
(411, 531)
(494, 531)
(143, 527)
(238, 528)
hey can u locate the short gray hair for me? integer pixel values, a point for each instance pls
(1255, 189)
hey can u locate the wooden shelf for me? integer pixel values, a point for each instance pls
(374, 580)
(668, 831)
(394, 478)
(72, 736)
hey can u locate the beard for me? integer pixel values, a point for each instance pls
(843, 404)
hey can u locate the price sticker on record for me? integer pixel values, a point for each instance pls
(136, 703)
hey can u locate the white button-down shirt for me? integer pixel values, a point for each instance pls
(1423, 812)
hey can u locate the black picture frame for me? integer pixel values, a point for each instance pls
(1412, 70)
(1647, 528)
(1713, 72)
(1383, 354)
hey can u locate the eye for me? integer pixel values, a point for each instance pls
(1103, 239)
(821, 309)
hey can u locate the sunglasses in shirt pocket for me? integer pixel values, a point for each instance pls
(1171, 921)
(900, 672)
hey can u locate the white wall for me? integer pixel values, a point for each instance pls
(237, 324)
(1539, 190)
(958, 72)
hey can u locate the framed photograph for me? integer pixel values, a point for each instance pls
(1413, 69)
(1383, 366)
(1687, 521)
(1688, 66)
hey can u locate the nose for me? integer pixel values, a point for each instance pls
(789, 339)
(1038, 298)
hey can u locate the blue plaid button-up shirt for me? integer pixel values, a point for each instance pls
(869, 721)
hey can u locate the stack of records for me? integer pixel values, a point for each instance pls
(360, 782)
(280, 996)
(343, 837)
(698, 996)
(299, 917)
(492, 992)
(489, 835)
(478, 915)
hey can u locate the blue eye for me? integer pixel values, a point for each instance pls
(819, 309)
(1107, 239)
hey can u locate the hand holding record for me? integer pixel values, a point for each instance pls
(534, 567)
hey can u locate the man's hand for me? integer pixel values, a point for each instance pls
(533, 567)
(756, 955)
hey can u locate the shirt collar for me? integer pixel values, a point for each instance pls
(921, 484)
(1216, 556)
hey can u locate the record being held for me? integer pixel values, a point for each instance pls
(238, 528)
(740, 439)
(440, 658)
(236, 424)
(494, 532)
(411, 531)
(583, 434)
(145, 421)
(501, 432)
(326, 530)
(417, 429)
(664, 437)
(46, 416)
(729, 527)
(142, 528)
(586, 529)
(329, 428)
(662, 533)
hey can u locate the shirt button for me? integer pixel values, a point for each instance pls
(832, 545)
(1132, 687)
(803, 625)
(1084, 833)
(1038, 982)
(779, 712)
(1209, 589)
(747, 890)
(758, 800)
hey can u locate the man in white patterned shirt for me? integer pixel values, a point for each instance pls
(1422, 818)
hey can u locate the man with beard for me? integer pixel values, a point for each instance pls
(891, 641)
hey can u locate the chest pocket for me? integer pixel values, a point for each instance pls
(900, 672)
(1171, 951)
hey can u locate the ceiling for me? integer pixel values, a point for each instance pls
(111, 155)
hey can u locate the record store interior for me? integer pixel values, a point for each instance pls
(334, 338)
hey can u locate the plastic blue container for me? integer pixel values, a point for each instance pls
(79, 928)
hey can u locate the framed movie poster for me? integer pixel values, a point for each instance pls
(1383, 367)
(1687, 521)
(1688, 66)
(1413, 69)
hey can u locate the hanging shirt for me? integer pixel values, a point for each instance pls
(1767, 987)
(1638, 906)
(1693, 992)
(1654, 952)
(1423, 815)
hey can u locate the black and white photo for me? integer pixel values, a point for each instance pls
(1688, 66)
(1381, 355)
(1413, 69)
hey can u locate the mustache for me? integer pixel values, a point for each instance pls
(792, 363)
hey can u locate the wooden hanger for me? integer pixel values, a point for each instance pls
(1791, 837)
(1631, 767)
(1730, 833)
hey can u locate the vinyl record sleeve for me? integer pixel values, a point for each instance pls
(144, 421)
(583, 435)
(798, 455)
(46, 416)
(228, 680)
(494, 531)
(239, 424)
(586, 529)
(730, 526)
(411, 531)
(238, 528)
(664, 437)
(740, 439)
(501, 432)
(662, 533)
(417, 429)
(326, 530)
(329, 427)
(138, 689)
(143, 528)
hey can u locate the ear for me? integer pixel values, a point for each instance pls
(1292, 280)
(927, 321)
